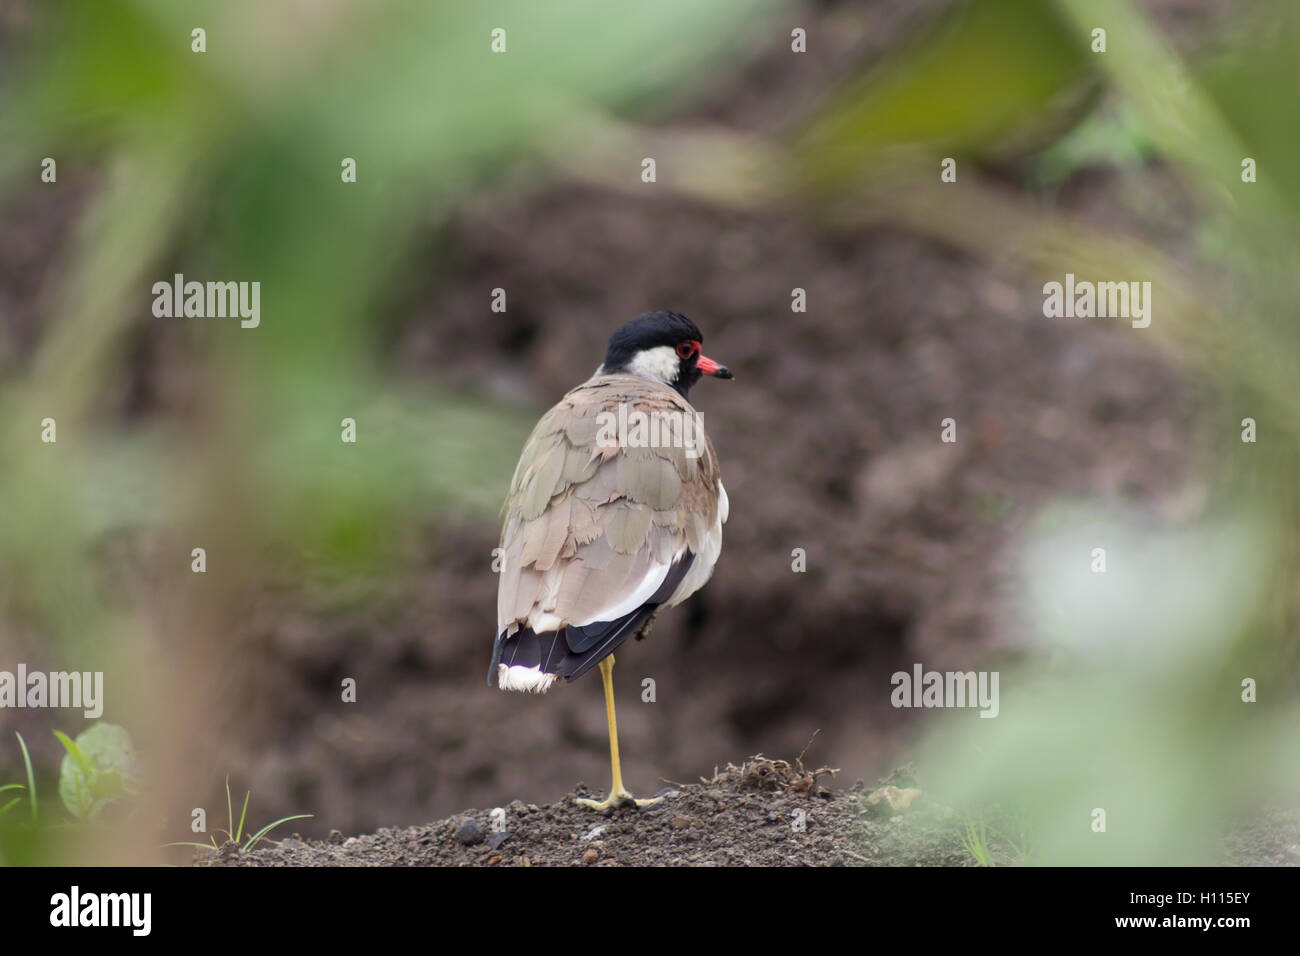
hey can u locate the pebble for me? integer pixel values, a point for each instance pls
(590, 857)
(496, 839)
(594, 832)
(335, 837)
(470, 832)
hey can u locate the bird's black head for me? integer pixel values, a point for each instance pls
(663, 347)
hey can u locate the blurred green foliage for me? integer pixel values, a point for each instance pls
(226, 164)
(992, 78)
(1133, 701)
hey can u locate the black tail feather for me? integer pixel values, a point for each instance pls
(572, 651)
(575, 665)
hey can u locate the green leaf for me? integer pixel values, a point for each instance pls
(99, 768)
(79, 755)
(992, 78)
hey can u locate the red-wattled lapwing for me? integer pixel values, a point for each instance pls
(615, 510)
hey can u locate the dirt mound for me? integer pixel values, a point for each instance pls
(763, 812)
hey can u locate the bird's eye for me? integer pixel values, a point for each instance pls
(686, 349)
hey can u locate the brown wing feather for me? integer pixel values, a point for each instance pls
(584, 524)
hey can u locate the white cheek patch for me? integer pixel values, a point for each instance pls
(659, 364)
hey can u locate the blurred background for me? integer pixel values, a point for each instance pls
(777, 170)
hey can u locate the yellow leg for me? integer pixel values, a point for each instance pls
(617, 795)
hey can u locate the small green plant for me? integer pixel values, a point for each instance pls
(976, 841)
(30, 789)
(978, 837)
(235, 833)
(98, 770)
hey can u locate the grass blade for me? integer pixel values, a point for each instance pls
(31, 777)
(243, 813)
(271, 826)
(201, 846)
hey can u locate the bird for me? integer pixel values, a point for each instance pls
(615, 510)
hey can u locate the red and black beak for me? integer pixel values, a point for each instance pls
(709, 367)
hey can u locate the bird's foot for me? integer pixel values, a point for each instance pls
(619, 798)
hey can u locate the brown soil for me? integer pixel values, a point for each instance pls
(761, 813)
